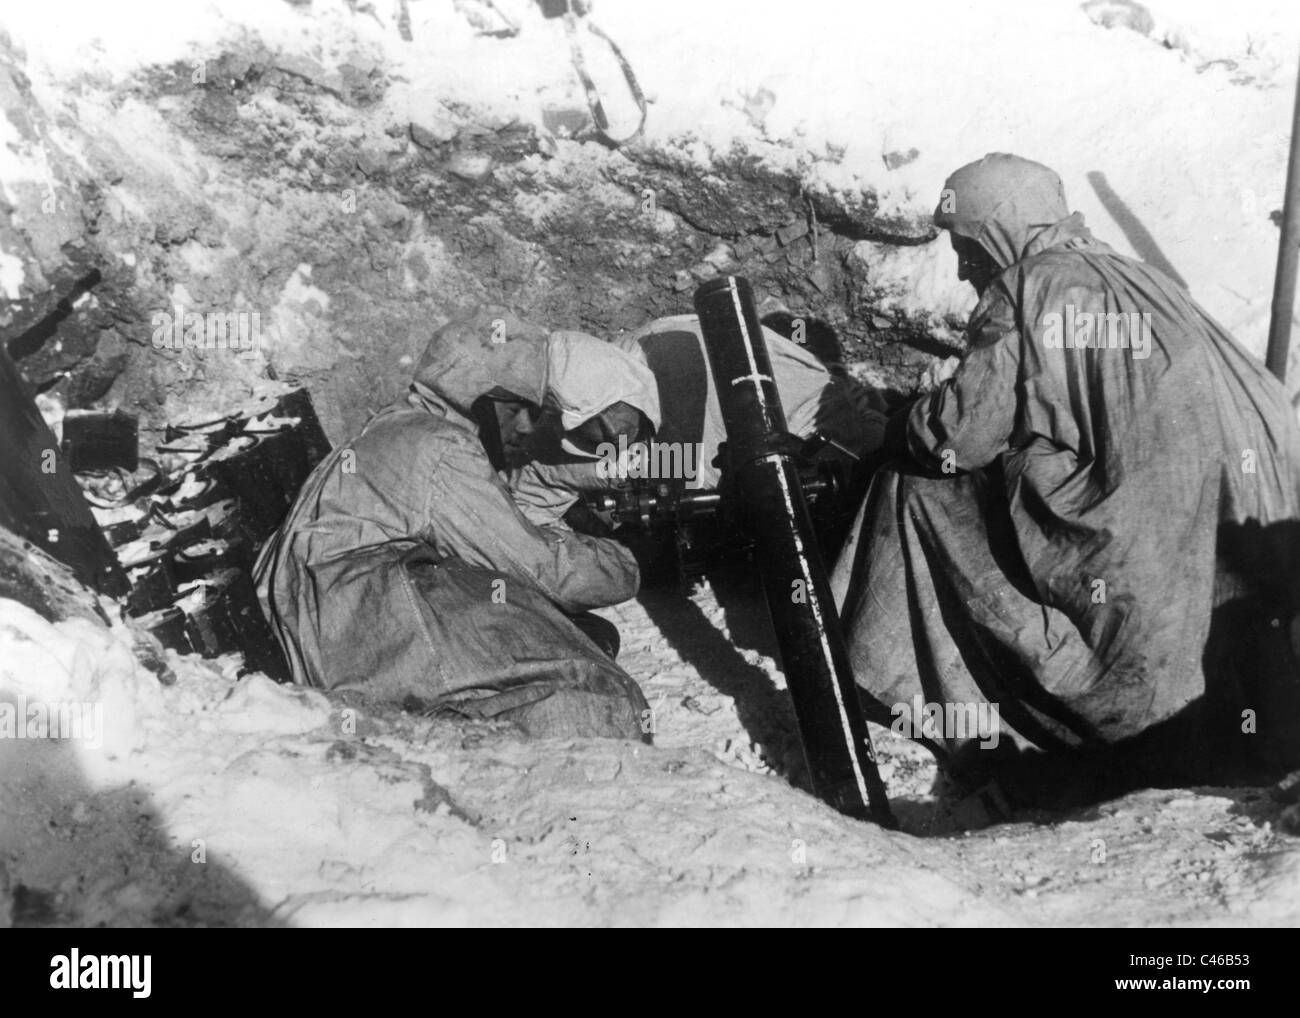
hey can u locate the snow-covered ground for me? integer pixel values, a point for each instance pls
(215, 802)
(212, 800)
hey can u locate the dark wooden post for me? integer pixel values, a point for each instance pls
(1288, 256)
(40, 500)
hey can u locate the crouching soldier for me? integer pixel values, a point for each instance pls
(405, 571)
(817, 402)
(1092, 526)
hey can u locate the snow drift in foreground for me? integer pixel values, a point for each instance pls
(213, 802)
(216, 801)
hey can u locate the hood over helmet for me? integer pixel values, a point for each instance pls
(1002, 202)
(494, 353)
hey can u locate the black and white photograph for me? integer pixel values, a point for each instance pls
(650, 464)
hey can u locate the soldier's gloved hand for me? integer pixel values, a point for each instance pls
(585, 519)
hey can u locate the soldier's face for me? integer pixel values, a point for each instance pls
(615, 421)
(974, 265)
(522, 418)
(518, 421)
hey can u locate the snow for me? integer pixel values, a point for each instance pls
(266, 804)
(1169, 130)
(77, 663)
(1192, 149)
(272, 804)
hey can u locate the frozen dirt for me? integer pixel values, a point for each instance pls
(357, 188)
